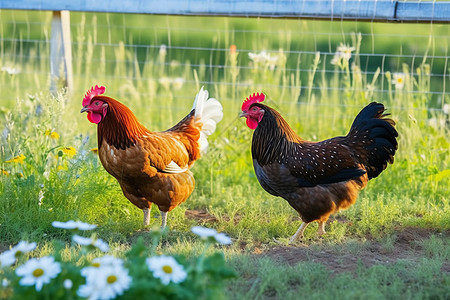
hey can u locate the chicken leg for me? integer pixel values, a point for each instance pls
(163, 219)
(146, 212)
(299, 233)
(321, 229)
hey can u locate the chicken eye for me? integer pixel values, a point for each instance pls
(96, 103)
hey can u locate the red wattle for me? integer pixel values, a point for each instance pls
(251, 123)
(89, 117)
(94, 117)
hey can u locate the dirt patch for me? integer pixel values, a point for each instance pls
(200, 215)
(404, 245)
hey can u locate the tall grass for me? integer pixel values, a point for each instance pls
(53, 181)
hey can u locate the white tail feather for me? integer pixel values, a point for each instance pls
(210, 113)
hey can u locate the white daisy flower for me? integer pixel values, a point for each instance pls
(345, 51)
(258, 57)
(399, 80)
(167, 269)
(89, 242)
(106, 282)
(203, 232)
(9, 257)
(100, 262)
(10, 70)
(38, 271)
(222, 238)
(264, 58)
(73, 225)
(209, 233)
(107, 260)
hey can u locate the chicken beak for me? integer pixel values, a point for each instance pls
(84, 109)
(242, 114)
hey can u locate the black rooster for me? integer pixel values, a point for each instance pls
(318, 178)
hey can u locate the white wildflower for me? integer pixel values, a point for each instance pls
(209, 233)
(89, 242)
(258, 57)
(11, 70)
(264, 58)
(106, 282)
(446, 109)
(203, 232)
(38, 271)
(345, 51)
(100, 262)
(343, 54)
(222, 238)
(73, 225)
(398, 79)
(167, 269)
(9, 257)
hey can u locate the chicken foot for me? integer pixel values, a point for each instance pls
(299, 233)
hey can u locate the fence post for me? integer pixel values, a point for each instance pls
(61, 52)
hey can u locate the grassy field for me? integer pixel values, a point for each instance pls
(393, 243)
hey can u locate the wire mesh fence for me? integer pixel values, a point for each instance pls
(163, 60)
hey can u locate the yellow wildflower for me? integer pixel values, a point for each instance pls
(94, 150)
(4, 172)
(69, 151)
(52, 134)
(61, 168)
(17, 159)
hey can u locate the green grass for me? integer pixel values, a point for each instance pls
(411, 193)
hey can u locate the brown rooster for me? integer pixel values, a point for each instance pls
(318, 178)
(151, 167)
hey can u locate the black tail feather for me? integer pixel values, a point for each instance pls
(374, 137)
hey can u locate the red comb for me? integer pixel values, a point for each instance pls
(255, 98)
(94, 91)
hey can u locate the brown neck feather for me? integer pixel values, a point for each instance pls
(119, 127)
(272, 137)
